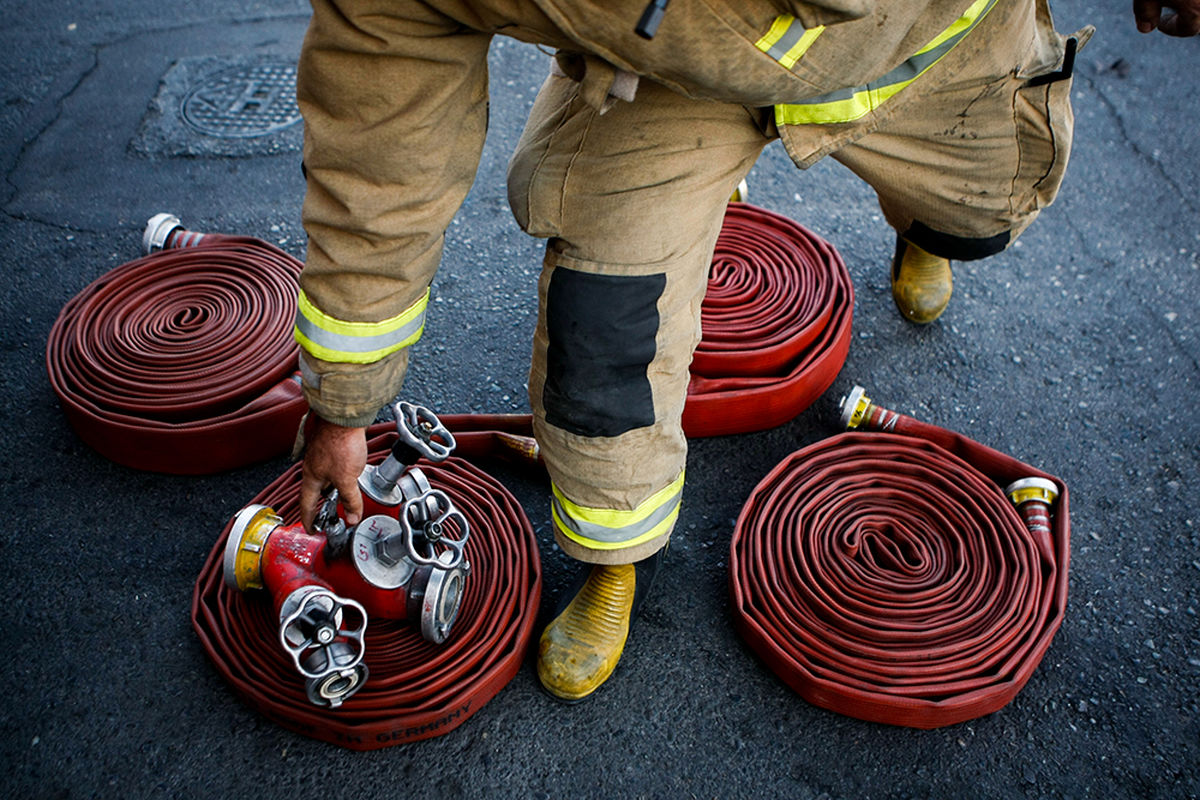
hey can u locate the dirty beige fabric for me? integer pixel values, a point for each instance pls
(969, 149)
(394, 96)
(659, 213)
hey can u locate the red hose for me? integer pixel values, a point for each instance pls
(415, 690)
(886, 578)
(776, 325)
(183, 361)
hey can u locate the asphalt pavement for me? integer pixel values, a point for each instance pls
(1077, 351)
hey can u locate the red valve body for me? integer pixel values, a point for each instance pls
(293, 558)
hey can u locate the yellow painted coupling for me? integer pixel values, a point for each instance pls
(243, 551)
(854, 407)
(1027, 489)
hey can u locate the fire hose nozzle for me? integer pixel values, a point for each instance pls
(158, 230)
(855, 406)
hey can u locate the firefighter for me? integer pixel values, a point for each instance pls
(955, 111)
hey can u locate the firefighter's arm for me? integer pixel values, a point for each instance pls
(1181, 17)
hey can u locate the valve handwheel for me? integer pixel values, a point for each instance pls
(421, 430)
(433, 513)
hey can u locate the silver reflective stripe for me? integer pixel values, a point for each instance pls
(907, 71)
(790, 38)
(357, 344)
(601, 533)
(309, 376)
(866, 98)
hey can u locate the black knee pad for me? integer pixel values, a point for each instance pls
(602, 331)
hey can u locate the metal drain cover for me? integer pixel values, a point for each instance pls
(247, 101)
(221, 107)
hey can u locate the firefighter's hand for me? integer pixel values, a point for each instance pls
(334, 456)
(1185, 21)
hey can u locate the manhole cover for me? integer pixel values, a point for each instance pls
(254, 100)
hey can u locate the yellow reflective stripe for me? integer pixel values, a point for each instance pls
(801, 47)
(847, 110)
(787, 40)
(597, 544)
(848, 105)
(968, 19)
(342, 341)
(778, 29)
(611, 529)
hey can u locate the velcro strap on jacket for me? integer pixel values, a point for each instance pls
(610, 529)
(332, 339)
(847, 105)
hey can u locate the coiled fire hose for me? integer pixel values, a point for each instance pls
(884, 575)
(776, 323)
(183, 361)
(416, 689)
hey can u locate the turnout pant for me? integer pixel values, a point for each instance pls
(630, 194)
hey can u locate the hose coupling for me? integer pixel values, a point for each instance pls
(165, 232)
(859, 411)
(1034, 498)
(854, 407)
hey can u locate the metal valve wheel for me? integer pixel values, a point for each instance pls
(326, 644)
(421, 430)
(433, 512)
(421, 435)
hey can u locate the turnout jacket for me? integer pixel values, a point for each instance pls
(394, 96)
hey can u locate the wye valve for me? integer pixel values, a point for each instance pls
(406, 562)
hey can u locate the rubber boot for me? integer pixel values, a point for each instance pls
(581, 646)
(921, 283)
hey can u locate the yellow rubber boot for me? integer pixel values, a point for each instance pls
(921, 283)
(580, 648)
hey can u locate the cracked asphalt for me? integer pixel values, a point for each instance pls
(1077, 350)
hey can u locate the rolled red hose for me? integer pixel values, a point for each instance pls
(183, 361)
(776, 322)
(415, 689)
(883, 577)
